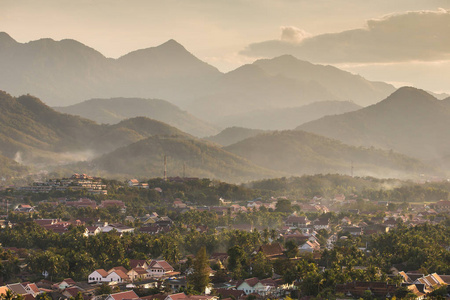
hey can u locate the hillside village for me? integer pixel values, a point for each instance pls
(264, 247)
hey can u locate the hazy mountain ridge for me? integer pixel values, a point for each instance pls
(282, 82)
(34, 131)
(250, 88)
(233, 135)
(114, 110)
(288, 118)
(67, 72)
(299, 152)
(344, 85)
(194, 157)
(409, 121)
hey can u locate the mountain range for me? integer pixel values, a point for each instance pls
(112, 111)
(31, 130)
(409, 121)
(35, 134)
(67, 72)
(232, 135)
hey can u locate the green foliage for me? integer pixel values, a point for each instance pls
(417, 247)
(291, 249)
(199, 278)
(43, 296)
(238, 262)
(261, 266)
(103, 289)
(284, 205)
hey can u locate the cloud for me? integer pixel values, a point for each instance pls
(293, 34)
(409, 36)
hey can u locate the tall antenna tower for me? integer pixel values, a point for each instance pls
(165, 168)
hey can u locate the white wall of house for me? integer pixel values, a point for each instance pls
(156, 272)
(113, 277)
(95, 277)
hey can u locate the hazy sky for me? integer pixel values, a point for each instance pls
(401, 41)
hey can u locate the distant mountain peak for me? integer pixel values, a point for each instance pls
(171, 43)
(172, 46)
(6, 39)
(410, 94)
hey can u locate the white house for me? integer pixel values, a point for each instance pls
(159, 268)
(309, 246)
(119, 227)
(98, 275)
(117, 274)
(254, 285)
(133, 182)
(138, 273)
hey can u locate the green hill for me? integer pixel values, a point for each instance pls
(39, 134)
(409, 121)
(146, 158)
(114, 110)
(299, 152)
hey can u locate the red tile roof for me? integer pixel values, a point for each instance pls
(69, 281)
(164, 265)
(119, 268)
(134, 263)
(124, 295)
(178, 296)
(140, 271)
(250, 281)
(274, 249)
(33, 287)
(102, 272)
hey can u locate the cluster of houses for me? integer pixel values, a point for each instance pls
(80, 203)
(140, 270)
(418, 284)
(160, 274)
(93, 185)
(59, 226)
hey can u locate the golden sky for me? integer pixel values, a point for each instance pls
(405, 42)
